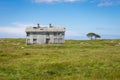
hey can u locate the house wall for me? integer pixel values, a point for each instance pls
(45, 37)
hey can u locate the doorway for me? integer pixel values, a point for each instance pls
(47, 41)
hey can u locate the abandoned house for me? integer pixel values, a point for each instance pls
(45, 35)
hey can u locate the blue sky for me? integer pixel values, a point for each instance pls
(78, 16)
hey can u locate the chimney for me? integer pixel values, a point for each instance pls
(50, 25)
(38, 25)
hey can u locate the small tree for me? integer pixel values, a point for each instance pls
(97, 36)
(91, 35)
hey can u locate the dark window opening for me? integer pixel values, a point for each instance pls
(47, 41)
(34, 41)
(47, 34)
(28, 34)
(55, 33)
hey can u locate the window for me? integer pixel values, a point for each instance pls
(28, 34)
(63, 34)
(47, 34)
(55, 33)
(34, 41)
(59, 33)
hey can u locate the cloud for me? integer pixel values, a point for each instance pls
(76, 34)
(54, 1)
(99, 3)
(103, 3)
(72, 33)
(17, 29)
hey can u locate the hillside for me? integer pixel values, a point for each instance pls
(74, 60)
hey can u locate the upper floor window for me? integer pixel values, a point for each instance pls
(28, 34)
(55, 33)
(61, 34)
(58, 33)
(47, 34)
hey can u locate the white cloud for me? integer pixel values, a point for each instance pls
(52, 1)
(75, 34)
(72, 33)
(99, 3)
(44, 1)
(102, 3)
(105, 4)
(17, 29)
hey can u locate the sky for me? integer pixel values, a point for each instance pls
(79, 17)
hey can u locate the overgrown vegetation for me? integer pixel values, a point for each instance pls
(74, 60)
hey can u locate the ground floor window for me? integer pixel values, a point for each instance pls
(47, 41)
(34, 41)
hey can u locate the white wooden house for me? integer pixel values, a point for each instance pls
(45, 35)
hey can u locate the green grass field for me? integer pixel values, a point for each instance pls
(74, 60)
